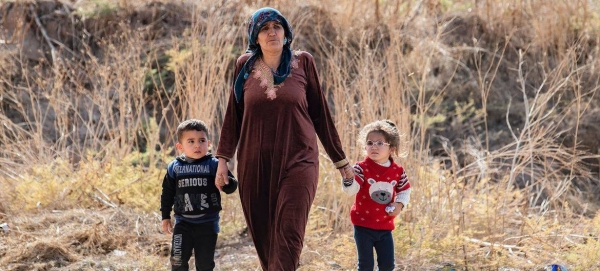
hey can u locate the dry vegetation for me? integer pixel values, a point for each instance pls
(498, 101)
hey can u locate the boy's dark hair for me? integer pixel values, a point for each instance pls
(191, 125)
(387, 128)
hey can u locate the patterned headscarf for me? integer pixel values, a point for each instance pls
(257, 20)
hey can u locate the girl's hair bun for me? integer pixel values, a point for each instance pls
(391, 123)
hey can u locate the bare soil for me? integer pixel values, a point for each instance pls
(106, 239)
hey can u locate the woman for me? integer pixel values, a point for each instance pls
(275, 112)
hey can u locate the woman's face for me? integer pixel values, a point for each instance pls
(270, 37)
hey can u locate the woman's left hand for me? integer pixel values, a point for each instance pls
(221, 177)
(347, 172)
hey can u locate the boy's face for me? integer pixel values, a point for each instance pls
(194, 144)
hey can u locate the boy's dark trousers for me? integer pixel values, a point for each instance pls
(198, 237)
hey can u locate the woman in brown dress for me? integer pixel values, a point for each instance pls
(275, 112)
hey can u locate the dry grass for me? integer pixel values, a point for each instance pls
(497, 101)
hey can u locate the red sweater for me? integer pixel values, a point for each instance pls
(368, 209)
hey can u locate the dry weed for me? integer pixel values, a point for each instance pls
(39, 252)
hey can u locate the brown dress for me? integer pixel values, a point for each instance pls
(275, 131)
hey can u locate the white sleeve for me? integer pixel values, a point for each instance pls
(403, 196)
(351, 189)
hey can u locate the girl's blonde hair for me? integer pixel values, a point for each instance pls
(387, 128)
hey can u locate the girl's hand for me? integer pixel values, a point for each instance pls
(396, 208)
(221, 177)
(167, 227)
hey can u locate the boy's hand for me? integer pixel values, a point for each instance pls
(221, 177)
(396, 208)
(167, 227)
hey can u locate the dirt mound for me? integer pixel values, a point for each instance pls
(95, 240)
(494, 49)
(40, 253)
(43, 29)
(62, 238)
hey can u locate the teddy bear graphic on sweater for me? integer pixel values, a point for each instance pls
(381, 192)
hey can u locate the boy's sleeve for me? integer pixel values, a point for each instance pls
(403, 189)
(232, 185)
(167, 198)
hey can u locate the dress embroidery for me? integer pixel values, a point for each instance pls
(264, 75)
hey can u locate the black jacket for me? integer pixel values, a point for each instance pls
(189, 187)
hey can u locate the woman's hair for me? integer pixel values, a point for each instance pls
(389, 131)
(191, 125)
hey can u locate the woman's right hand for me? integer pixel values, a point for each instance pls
(221, 178)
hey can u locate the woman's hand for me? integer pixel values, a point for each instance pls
(347, 172)
(221, 177)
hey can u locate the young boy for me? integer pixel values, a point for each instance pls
(189, 190)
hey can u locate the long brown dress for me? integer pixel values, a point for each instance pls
(275, 131)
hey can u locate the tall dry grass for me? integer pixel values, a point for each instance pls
(490, 96)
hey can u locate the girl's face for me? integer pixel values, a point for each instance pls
(194, 144)
(270, 37)
(377, 153)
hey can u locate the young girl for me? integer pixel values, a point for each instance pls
(382, 190)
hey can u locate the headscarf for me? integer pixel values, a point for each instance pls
(257, 20)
